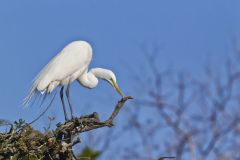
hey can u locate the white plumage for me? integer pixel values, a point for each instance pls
(64, 68)
(67, 66)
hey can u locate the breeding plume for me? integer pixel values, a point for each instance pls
(67, 66)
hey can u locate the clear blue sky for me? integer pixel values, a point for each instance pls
(32, 32)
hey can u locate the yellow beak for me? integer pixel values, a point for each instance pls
(115, 85)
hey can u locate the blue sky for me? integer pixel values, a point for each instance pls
(31, 33)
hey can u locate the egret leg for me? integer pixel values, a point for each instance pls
(63, 104)
(69, 101)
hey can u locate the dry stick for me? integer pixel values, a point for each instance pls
(109, 121)
(90, 122)
(117, 109)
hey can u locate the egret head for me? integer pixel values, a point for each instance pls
(112, 80)
(109, 76)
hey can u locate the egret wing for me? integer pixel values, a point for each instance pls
(72, 58)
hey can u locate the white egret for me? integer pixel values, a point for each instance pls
(67, 66)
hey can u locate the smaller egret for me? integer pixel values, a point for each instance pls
(67, 66)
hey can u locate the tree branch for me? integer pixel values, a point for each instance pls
(57, 144)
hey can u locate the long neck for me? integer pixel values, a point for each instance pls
(88, 80)
(101, 73)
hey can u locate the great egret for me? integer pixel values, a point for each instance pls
(67, 66)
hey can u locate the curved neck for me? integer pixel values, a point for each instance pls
(101, 73)
(89, 79)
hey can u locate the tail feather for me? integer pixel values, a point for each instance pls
(33, 90)
(36, 82)
(31, 93)
(28, 98)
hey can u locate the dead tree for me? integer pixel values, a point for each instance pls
(185, 116)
